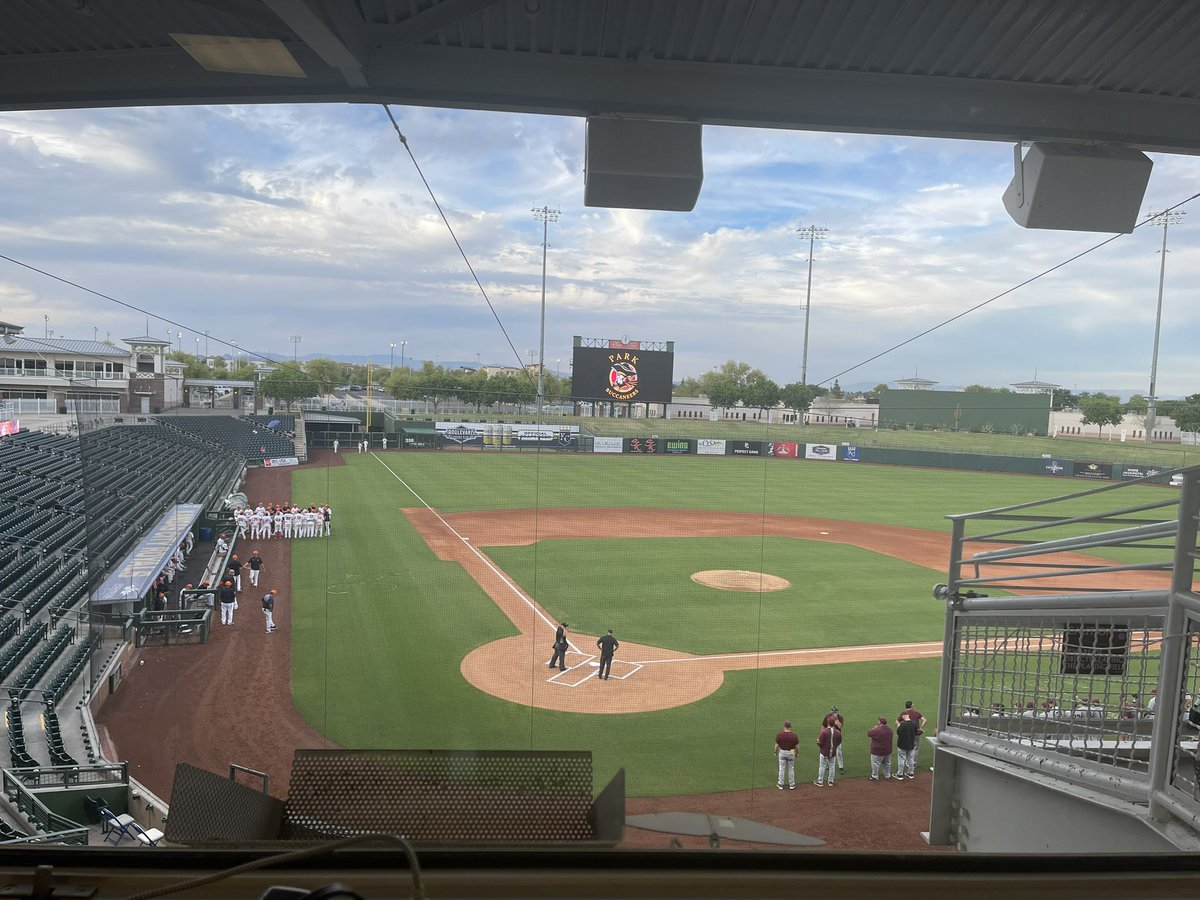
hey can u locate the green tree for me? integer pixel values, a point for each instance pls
(799, 396)
(689, 387)
(558, 390)
(193, 366)
(472, 388)
(1186, 412)
(1062, 399)
(879, 389)
(984, 389)
(724, 386)
(1136, 404)
(1100, 409)
(288, 385)
(759, 391)
(327, 373)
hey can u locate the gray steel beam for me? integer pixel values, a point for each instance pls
(715, 93)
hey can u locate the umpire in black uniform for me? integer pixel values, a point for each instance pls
(608, 646)
(560, 648)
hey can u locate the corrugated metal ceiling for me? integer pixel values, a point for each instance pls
(647, 57)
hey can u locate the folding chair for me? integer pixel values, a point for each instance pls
(148, 837)
(116, 828)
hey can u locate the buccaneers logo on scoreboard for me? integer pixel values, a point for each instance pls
(622, 377)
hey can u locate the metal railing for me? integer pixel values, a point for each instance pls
(1088, 669)
(173, 626)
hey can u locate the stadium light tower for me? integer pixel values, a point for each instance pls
(545, 215)
(1165, 219)
(403, 344)
(391, 356)
(295, 339)
(814, 234)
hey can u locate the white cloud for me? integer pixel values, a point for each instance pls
(258, 222)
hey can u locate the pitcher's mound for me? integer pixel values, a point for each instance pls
(738, 580)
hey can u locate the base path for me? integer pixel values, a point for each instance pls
(644, 677)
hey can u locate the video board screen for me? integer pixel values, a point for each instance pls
(623, 375)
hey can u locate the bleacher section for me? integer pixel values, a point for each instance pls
(49, 550)
(247, 437)
(134, 473)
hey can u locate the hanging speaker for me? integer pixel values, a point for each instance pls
(643, 164)
(1077, 187)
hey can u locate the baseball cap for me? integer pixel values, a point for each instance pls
(229, 584)
(883, 720)
(833, 709)
(274, 591)
(787, 724)
(907, 704)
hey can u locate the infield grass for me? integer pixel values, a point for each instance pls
(839, 595)
(380, 625)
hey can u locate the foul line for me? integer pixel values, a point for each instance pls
(482, 558)
(929, 646)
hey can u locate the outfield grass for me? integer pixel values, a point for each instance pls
(839, 595)
(894, 495)
(380, 625)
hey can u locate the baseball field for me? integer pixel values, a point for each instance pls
(743, 591)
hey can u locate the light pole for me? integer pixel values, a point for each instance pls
(403, 344)
(206, 344)
(545, 215)
(235, 353)
(391, 356)
(814, 234)
(295, 339)
(197, 349)
(1166, 219)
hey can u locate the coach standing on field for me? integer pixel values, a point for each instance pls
(608, 646)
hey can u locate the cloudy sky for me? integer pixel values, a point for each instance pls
(257, 223)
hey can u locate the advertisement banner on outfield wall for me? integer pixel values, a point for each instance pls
(1130, 472)
(276, 462)
(642, 445)
(1054, 467)
(507, 436)
(607, 445)
(850, 453)
(745, 448)
(710, 447)
(783, 449)
(678, 446)
(1084, 469)
(821, 451)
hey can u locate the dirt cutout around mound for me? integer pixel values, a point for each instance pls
(644, 677)
(740, 580)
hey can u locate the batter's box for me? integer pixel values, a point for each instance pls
(588, 669)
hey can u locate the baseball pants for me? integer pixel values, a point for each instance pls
(254, 577)
(787, 768)
(226, 613)
(270, 617)
(906, 761)
(881, 762)
(827, 766)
